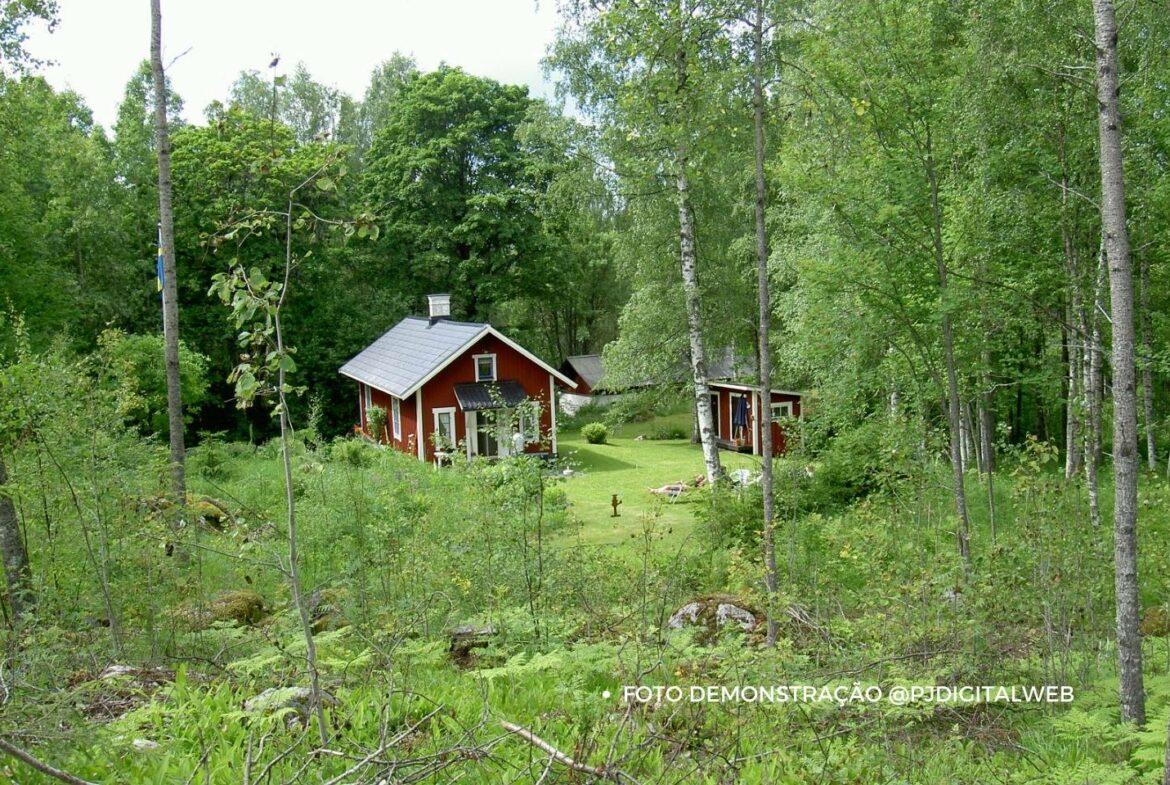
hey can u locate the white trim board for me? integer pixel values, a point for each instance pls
(418, 426)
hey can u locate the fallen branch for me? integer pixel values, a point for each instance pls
(42, 767)
(555, 754)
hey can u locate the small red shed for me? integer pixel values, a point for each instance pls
(737, 410)
(449, 387)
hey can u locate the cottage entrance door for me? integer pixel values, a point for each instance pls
(483, 434)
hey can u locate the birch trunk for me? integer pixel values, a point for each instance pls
(1093, 384)
(1075, 341)
(170, 284)
(987, 440)
(1073, 457)
(1147, 371)
(1125, 452)
(963, 534)
(965, 435)
(771, 581)
(12, 550)
(686, 237)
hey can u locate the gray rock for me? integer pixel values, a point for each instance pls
(687, 614)
(733, 614)
(299, 699)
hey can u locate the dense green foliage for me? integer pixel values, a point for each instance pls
(932, 199)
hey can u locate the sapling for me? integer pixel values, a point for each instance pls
(256, 304)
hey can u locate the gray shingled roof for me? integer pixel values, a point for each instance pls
(408, 352)
(588, 367)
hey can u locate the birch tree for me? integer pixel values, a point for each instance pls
(643, 69)
(169, 284)
(1125, 452)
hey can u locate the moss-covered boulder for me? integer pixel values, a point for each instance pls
(294, 704)
(241, 607)
(714, 612)
(207, 511)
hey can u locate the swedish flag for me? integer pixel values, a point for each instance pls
(160, 276)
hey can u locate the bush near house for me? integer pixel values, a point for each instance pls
(595, 433)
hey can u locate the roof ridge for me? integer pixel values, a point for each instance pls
(444, 320)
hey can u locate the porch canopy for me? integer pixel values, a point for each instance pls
(479, 396)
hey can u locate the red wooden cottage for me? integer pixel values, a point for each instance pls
(737, 410)
(451, 387)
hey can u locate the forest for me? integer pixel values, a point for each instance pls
(945, 222)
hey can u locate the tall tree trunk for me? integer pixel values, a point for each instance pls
(953, 415)
(965, 446)
(1147, 369)
(987, 440)
(1125, 455)
(771, 582)
(686, 237)
(12, 550)
(170, 283)
(1074, 332)
(1093, 384)
(1073, 457)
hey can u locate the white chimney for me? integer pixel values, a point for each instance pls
(439, 305)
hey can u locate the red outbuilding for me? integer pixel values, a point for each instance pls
(451, 388)
(738, 412)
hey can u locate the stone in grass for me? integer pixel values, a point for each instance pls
(713, 612)
(242, 607)
(298, 700)
(465, 637)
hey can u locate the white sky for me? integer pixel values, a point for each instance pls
(99, 43)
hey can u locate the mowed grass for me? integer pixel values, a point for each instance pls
(628, 467)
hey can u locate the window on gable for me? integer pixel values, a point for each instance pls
(485, 367)
(396, 414)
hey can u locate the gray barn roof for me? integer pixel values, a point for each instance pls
(406, 354)
(588, 367)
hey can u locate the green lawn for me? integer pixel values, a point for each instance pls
(629, 467)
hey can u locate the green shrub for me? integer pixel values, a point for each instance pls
(353, 452)
(134, 367)
(595, 433)
(634, 407)
(210, 458)
(590, 412)
(870, 457)
(376, 417)
(668, 432)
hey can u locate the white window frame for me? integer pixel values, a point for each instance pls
(781, 409)
(475, 360)
(529, 423)
(368, 397)
(396, 417)
(436, 414)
